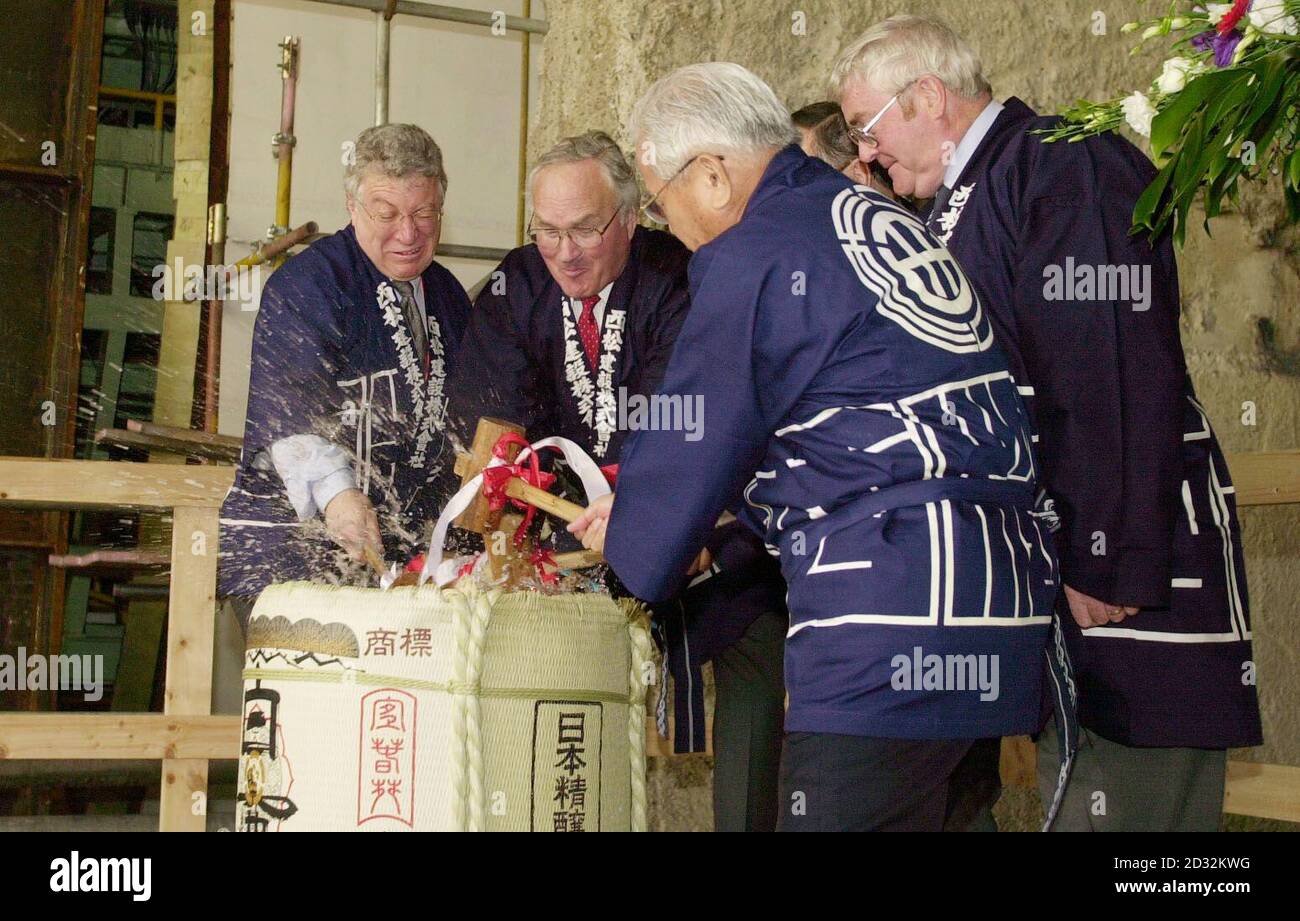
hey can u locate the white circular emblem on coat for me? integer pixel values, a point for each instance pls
(919, 285)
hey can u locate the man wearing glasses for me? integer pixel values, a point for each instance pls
(346, 417)
(855, 401)
(1154, 609)
(570, 332)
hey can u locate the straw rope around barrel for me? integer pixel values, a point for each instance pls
(472, 611)
(639, 676)
(499, 671)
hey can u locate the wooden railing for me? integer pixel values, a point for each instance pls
(186, 736)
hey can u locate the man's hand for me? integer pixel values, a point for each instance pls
(351, 521)
(589, 527)
(702, 562)
(1089, 612)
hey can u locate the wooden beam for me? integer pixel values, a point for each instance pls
(125, 438)
(1266, 477)
(232, 443)
(1267, 791)
(191, 623)
(61, 484)
(117, 736)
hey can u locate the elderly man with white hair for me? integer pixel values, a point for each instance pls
(345, 442)
(1154, 608)
(859, 416)
(570, 328)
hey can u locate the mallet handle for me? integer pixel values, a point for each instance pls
(560, 508)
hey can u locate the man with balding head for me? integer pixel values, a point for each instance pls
(568, 337)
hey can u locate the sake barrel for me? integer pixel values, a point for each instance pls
(442, 709)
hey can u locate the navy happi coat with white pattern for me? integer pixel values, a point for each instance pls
(1088, 316)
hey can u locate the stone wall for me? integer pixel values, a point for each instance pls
(601, 54)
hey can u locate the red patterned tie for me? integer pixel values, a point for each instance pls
(589, 331)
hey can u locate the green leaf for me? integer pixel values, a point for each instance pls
(1150, 198)
(1167, 126)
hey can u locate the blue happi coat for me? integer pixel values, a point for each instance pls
(1088, 315)
(521, 361)
(855, 400)
(331, 357)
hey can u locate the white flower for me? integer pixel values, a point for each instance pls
(1174, 76)
(1138, 111)
(1271, 16)
(1217, 11)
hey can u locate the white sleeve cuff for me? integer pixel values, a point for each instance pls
(323, 490)
(306, 462)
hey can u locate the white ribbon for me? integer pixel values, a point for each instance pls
(593, 483)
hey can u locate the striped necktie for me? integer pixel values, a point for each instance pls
(415, 321)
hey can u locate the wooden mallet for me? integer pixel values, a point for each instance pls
(480, 517)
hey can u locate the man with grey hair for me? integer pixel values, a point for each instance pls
(858, 416)
(346, 418)
(570, 336)
(1153, 612)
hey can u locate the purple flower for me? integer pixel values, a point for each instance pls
(1223, 45)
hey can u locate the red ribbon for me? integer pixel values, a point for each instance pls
(540, 558)
(495, 479)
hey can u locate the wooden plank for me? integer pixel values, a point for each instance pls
(1266, 477)
(55, 484)
(1018, 762)
(110, 561)
(124, 438)
(228, 442)
(1267, 791)
(117, 736)
(191, 623)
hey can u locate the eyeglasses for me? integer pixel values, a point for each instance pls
(549, 239)
(863, 135)
(425, 219)
(651, 209)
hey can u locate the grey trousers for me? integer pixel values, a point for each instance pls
(1116, 787)
(748, 722)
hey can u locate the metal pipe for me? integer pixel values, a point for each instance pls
(449, 14)
(284, 140)
(462, 251)
(383, 29)
(273, 249)
(523, 129)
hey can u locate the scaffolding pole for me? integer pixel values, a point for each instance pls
(448, 14)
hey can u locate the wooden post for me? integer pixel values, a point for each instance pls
(190, 625)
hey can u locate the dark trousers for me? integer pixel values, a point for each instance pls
(860, 783)
(748, 721)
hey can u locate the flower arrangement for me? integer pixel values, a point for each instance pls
(1225, 107)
